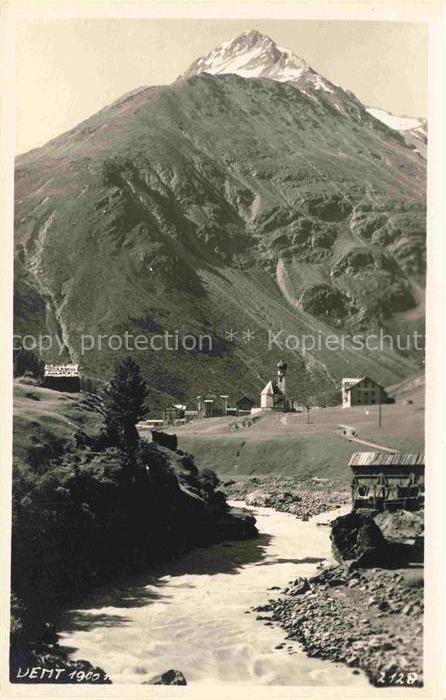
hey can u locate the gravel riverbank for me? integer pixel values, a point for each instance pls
(369, 619)
(302, 499)
(366, 618)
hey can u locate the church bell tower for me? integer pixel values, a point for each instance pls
(281, 377)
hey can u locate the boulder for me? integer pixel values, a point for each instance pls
(356, 537)
(170, 677)
(401, 525)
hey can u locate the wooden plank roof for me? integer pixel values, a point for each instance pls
(386, 459)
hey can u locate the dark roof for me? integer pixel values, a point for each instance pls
(245, 398)
(361, 379)
(386, 459)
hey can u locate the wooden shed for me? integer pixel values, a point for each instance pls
(245, 404)
(385, 480)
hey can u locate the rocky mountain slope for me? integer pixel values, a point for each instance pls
(222, 202)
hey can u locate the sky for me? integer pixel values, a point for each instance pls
(68, 69)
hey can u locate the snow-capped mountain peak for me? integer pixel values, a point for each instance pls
(255, 55)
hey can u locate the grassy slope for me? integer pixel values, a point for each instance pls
(45, 420)
(287, 445)
(289, 456)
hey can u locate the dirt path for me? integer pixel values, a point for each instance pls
(381, 448)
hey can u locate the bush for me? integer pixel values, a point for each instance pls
(208, 480)
(26, 362)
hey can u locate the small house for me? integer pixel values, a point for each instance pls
(190, 415)
(244, 404)
(211, 405)
(385, 480)
(175, 412)
(150, 423)
(62, 377)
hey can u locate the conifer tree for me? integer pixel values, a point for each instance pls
(124, 400)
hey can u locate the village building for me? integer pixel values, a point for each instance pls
(212, 405)
(150, 423)
(362, 391)
(386, 480)
(244, 405)
(274, 396)
(62, 377)
(174, 413)
(190, 415)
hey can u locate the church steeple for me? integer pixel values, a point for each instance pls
(281, 376)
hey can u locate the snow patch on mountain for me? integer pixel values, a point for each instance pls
(396, 122)
(320, 84)
(254, 55)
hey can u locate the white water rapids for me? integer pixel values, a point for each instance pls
(191, 615)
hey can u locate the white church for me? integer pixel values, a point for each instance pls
(274, 396)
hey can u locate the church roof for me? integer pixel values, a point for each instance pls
(271, 389)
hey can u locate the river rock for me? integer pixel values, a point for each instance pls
(258, 498)
(170, 677)
(356, 536)
(299, 586)
(330, 623)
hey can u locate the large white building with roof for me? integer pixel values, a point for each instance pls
(362, 391)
